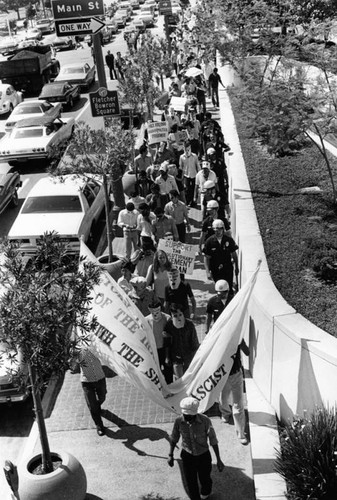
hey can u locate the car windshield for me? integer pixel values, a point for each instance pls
(26, 133)
(52, 204)
(30, 108)
(72, 69)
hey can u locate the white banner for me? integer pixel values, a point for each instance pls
(157, 132)
(178, 103)
(125, 342)
(180, 254)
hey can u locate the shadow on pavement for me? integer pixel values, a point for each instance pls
(89, 496)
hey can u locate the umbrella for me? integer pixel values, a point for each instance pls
(193, 72)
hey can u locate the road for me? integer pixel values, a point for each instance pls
(16, 420)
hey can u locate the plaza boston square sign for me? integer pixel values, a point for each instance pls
(104, 102)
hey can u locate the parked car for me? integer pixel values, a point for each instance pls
(12, 388)
(120, 18)
(36, 137)
(135, 4)
(59, 42)
(77, 73)
(32, 34)
(9, 185)
(27, 109)
(112, 25)
(147, 18)
(45, 25)
(9, 98)
(62, 92)
(8, 45)
(71, 207)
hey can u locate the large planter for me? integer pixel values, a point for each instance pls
(129, 180)
(114, 267)
(67, 482)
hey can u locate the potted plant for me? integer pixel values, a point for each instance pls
(43, 300)
(105, 153)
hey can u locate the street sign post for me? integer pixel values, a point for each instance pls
(104, 102)
(81, 26)
(165, 7)
(74, 9)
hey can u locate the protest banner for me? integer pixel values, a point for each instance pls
(157, 132)
(125, 342)
(178, 103)
(180, 254)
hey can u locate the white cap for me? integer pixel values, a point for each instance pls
(189, 406)
(212, 204)
(218, 223)
(221, 286)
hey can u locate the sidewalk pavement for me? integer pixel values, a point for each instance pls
(129, 462)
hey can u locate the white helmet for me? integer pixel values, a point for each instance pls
(209, 185)
(212, 204)
(221, 286)
(218, 224)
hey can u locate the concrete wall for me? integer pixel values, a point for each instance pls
(293, 363)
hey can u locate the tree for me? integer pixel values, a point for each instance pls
(105, 153)
(42, 301)
(139, 88)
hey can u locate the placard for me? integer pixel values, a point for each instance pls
(180, 254)
(157, 132)
(178, 103)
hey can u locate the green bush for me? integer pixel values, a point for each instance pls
(308, 456)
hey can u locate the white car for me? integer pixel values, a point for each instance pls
(36, 137)
(27, 109)
(9, 98)
(70, 206)
(147, 18)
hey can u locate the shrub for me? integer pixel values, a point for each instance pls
(308, 456)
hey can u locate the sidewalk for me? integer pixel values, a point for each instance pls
(130, 461)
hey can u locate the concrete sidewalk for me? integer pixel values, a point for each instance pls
(130, 461)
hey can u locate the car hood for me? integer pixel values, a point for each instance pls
(17, 118)
(35, 225)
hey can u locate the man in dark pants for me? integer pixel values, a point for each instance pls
(110, 62)
(213, 87)
(93, 384)
(195, 431)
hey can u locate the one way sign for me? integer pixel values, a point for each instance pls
(81, 26)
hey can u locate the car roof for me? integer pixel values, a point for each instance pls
(48, 117)
(57, 186)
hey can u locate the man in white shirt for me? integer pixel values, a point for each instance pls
(166, 183)
(205, 174)
(127, 220)
(189, 164)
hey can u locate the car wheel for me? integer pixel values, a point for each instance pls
(15, 199)
(71, 102)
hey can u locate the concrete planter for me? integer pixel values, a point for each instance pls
(129, 180)
(114, 267)
(67, 482)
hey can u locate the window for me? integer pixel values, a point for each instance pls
(52, 204)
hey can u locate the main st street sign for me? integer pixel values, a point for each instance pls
(75, 9)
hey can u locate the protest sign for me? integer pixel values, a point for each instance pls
(180, 254)
(157, 132)
(178, 103)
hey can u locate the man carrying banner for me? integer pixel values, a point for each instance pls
(195, 430)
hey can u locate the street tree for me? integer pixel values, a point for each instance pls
(103, 152)
(45, 314)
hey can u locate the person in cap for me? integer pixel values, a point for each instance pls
(127, 220)
(157, 321)
(217, 303)
(212, 213)
(218, 166)
(178, 210)
(196, 432)
(204, 175)
(219, 254)
(180, 341)
(166, 182)
(212, 193)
